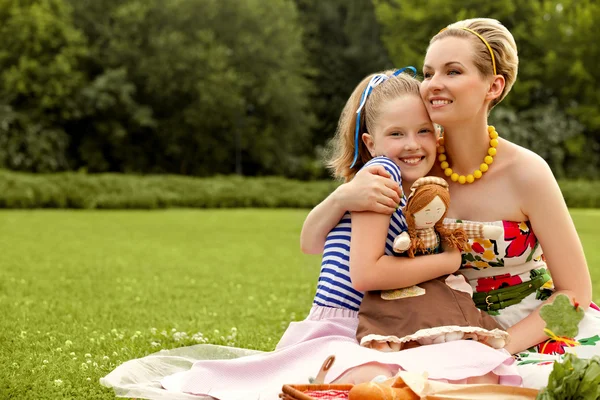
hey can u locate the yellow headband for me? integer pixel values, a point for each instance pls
(484, 42)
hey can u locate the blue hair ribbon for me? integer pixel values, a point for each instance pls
(373, 83)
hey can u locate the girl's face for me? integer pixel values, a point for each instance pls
(404, 133)
(430, 214)
(453, 89)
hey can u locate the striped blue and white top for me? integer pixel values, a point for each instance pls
(335, 287)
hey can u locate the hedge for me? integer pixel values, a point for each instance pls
(121, 191)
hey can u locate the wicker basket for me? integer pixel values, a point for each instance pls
(299, 392)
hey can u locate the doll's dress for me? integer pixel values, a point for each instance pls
(435, 311)
(510, 280)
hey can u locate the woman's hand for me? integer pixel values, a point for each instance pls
(372, 189)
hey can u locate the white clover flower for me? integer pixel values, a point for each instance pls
(164, 333)
(153, 331)
(45, 361)
(105, 358)
(72, 353)
(58, 382)
(68, 343)
(178, 336)
(88, 355)
(89, 379)
(174, 330)
(154, 344)
(115, 353)
(74, 358)
(15, 365)
(89, 361)
(58, 349)
(95, 364)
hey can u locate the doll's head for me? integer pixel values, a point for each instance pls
(426, 207)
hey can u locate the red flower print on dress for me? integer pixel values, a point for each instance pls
(521, 237)
(551, 347)
(477, 248)
(497, 282)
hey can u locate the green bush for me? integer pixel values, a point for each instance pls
(120, 191)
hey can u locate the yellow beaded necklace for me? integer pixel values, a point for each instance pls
(478, 172)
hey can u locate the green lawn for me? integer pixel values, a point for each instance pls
(82, 291)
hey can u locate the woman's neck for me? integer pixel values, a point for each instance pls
(466, 146)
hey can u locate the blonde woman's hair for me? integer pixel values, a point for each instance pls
(501, 42)
(422, 196)
(341, 152)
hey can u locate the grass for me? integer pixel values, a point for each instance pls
(82, 291)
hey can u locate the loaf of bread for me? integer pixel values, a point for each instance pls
(382, 391)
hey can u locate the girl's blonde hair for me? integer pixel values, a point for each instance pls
(419, 199)
(342, 145)
(500, 40)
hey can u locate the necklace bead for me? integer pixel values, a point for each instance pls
(478, 173)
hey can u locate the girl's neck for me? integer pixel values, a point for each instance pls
(466, 146)
(406, 187)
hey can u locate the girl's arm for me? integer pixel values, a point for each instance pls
(372, 189)
(371, 269)
(544, 204)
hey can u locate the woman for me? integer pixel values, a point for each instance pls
(469, 68)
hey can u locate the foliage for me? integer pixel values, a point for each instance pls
(573, 378)
(119, 191)
(40, 76)
(122, 191)
(554, 99)
(205, 87)
(344, 45)
(197, 88)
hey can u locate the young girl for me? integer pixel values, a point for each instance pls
(470, 67)
(395, 113)
(387, 119)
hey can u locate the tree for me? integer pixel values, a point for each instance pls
(206, 76)
(344, 43)
(40, 54)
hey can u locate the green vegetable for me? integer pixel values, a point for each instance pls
(573, 379)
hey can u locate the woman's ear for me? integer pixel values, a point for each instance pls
(496, 87)
(369, 142)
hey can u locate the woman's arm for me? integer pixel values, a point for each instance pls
(544, 204)
(370, 269)
(372, 189)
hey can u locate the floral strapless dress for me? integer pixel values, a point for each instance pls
(510, 280)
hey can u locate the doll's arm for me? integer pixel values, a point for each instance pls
(476, 230)
(370, 190)
(401, 242)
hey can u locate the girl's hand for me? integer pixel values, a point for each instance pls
(454, 255)
(372, 189)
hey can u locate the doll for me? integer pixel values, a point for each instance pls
(436, 311)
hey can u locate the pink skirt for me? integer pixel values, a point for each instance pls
(298, 357)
